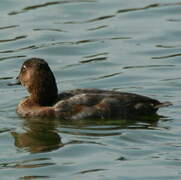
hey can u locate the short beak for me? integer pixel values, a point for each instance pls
(15, 83)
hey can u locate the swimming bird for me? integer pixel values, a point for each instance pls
(45, 101)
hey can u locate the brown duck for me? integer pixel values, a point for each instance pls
(44, 101)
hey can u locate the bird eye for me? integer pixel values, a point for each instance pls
(24, 68)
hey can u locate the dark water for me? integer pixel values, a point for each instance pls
(133, 46)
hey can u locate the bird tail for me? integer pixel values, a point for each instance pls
(163, 104)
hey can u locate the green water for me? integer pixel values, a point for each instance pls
(132, 46)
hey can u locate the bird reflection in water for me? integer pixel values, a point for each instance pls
(39, 136)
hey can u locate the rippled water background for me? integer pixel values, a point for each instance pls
(133, 46)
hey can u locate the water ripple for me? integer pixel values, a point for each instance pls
(11, 57)
(5, 130)
(151, 6)
(19, 49)
(33, 177)
(33, 7)
(174, 20)
(49, 29)
(90, 171)
(94, 59)
(167, 46)
(100, 18)
(50, 44)
(5, 78)
(94, 132)
(26, 163)
(28, 8)
(89, 58)
(156, 5)
(149, 66)
(95, 55)
(138, 9)
(97, 28)
(12, 39)
(167, 56)
(9, 27)
(107, 76)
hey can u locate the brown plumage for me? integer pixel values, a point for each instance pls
(45, 101)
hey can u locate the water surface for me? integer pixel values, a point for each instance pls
(132, 46)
